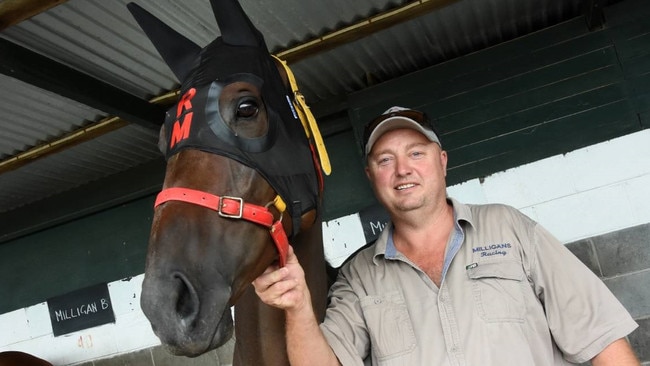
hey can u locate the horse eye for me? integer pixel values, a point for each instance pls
(247, 110)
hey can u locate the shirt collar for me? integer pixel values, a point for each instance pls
(385, 247)
(462, 212)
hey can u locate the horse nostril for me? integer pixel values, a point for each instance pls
(187, 302)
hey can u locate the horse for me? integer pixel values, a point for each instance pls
(16, 358)
(245, 164)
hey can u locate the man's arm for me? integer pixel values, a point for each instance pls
(618, 353)
(286, 288)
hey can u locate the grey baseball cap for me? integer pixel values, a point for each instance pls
(394, 118)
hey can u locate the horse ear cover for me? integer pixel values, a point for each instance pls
(178, 52)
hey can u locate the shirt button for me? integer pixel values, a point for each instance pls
(377, 301)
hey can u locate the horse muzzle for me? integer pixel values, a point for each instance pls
(184, 323)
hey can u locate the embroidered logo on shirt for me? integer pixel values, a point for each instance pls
(492, 249)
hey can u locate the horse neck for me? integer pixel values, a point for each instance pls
(259, 328)
(308, 246)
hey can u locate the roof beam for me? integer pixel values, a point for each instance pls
(30, 67)
(13, 12)
(88, 198)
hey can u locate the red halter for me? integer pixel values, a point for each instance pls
(232, 208)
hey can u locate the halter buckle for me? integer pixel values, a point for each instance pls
(238, 215)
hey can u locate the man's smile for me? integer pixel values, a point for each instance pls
(404, 186)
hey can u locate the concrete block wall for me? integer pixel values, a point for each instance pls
(158, 356)
(622, 260)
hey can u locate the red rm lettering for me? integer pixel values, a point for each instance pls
(181, 130)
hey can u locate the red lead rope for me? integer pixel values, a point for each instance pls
(233, 208)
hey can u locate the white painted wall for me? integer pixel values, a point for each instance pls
(591, 191)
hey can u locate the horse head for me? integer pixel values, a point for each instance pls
(242, 171)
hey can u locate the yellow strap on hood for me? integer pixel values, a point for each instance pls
(307, 119)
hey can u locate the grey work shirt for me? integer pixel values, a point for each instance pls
(511, 294)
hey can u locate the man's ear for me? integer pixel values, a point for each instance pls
(443, 161)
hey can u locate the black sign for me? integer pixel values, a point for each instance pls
(81, 309)
(373, 220)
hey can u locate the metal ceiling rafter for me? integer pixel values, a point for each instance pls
(320, 44)
(32, 68)
(35, 69)
(15, 11)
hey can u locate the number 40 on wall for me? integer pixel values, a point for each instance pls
(85, 341)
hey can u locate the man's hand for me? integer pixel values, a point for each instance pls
(285, 287)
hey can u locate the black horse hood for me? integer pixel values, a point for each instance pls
(195, 121)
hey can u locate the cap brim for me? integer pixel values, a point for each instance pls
(394, 123)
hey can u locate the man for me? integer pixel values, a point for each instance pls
(448, 283)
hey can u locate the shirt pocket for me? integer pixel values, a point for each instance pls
(498, 291)
(389, 325)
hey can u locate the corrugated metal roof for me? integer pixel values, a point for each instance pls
(103, 156)
(31, 116)
(99, 38)
(456, 30)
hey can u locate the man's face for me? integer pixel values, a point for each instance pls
(407, 171)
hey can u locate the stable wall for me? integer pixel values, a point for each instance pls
(102, 247)
(552, 123)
